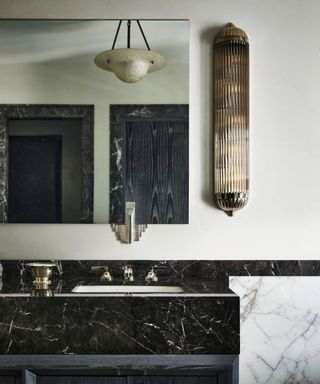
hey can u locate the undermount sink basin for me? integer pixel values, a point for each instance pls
(126, 289)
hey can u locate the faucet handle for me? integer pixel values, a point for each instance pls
(99, 268)
(128, 273)
(106, 276)
(151, 276)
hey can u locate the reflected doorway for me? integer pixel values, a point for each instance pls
(44, 171)
(46, 163)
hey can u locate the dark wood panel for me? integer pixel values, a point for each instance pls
(173, 380)
(80, 380)
(8, 380)
(117, 363)
(149, 162)
(156, 170)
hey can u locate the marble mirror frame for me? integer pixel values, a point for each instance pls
(50, 111)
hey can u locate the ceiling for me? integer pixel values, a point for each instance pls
(78, 41)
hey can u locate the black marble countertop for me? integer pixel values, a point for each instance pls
(203, 319)
(203, 277)
(16, 278)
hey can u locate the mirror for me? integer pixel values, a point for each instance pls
(55, 107)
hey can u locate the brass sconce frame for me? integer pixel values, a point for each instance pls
(231, 94)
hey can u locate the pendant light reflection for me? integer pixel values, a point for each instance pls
(130, 64)
(231, 152)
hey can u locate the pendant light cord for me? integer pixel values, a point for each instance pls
(117, 33)
(129, 34)
(143, 35)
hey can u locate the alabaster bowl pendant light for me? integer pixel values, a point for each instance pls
(130, 64)
(231, 99)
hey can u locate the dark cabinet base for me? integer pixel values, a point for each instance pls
(80, 380)
(8, 380)
(11, 377)
(216, 379)
(174, 380)
(101, 369)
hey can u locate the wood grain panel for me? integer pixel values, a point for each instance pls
(156, 170)
(149, 162)
(80, 380)
(8, 380)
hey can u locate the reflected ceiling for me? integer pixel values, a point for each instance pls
(39, 41)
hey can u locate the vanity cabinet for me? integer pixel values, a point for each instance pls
(119, 369)
(79, 380)
(221, 378)
(175, 380)
(187, 338)
(9, 379)
(30, 377)
(217, 379)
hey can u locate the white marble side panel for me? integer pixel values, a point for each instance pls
(280, 329)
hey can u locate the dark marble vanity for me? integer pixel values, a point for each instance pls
(191, 335)
(202, 319)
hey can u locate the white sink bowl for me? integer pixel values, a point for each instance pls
(126, 289)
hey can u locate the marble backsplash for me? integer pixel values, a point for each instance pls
(207, 269)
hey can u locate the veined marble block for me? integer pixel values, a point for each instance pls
(280, 329)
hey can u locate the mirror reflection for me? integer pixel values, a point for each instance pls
(57, 87)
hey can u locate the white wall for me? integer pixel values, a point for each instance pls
(283, 218)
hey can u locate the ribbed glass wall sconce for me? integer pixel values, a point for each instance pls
(231, 88)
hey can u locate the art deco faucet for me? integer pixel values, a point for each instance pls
(128, 274)
(130, 231)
